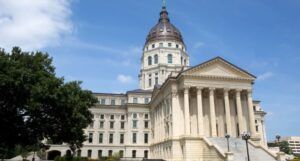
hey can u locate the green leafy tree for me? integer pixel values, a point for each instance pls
(284, 147)
(35, 104)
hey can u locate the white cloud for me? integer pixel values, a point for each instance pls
(124, 78)
(198, 45)
(264, 76)
(34, 24)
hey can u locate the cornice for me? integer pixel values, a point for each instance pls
(217, 77)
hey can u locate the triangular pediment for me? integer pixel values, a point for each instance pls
(219, 67)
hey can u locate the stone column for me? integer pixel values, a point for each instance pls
(251, 113)
(187, 111)
(227, 110)
(200, 111)
(212, 112)
(175, 113)
(239, 110)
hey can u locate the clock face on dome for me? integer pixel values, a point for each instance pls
(164, 30)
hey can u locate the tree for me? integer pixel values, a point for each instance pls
(284, 147)
(35, 104)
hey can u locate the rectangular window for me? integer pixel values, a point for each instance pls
(146, 154)
(113, 102)
(121, 152)
(111, 138)
(101, 116)
(134, 124)
(256, 127)
(133, 153)
(153, 46)
(150, 82)
(146, 138)
(122, 117)
(112, 117)
(110, 152)
(134, 138)
(111, 124)
(89, 153)
(122, 125)
(135, 100)
(134, 115)
(121, 138)
(254, 108)
(177, 46)
(146, 116)
(161, 44)
(146, 100)
(101, 124)
(169, 44)
(99, 154)
(102, 101)
(156, 80)
(122, 102)
(100, 138)
(146, 124)
(90, 137)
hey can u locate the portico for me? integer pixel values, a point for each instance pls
(221, 115)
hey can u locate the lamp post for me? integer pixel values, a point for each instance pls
(278, 138)
(246, 137)
(227, 136)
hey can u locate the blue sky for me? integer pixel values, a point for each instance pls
(100, 42)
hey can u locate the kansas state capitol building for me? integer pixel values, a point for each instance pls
(179, 113)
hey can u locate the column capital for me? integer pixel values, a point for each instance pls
(226, 89)
(199, 88)
(174, 93)
(186, 89)
(211, 88)
(238, 90)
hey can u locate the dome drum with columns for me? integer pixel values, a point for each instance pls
(179, 113)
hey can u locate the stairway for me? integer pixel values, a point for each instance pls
(238, 148)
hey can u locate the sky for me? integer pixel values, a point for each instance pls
(100, 43)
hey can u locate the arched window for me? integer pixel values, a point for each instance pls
(155, 59)
(170, 58)
(149, 60)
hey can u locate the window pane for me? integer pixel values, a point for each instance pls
(90, 137)
(170, 61)
(101, 138)
(101, 124)
(111, 138)
(155, 59)
(134, 138)
(134, 100)
(89, 153)
(113, 102)
(149, 60)
(134, 124)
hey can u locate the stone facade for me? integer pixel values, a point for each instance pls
(177, 109)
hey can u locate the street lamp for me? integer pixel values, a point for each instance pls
(246, 137)
(227, 136)
(278, 138)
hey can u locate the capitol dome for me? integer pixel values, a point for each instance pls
(164, 30)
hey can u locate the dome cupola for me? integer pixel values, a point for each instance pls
(164, 30)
